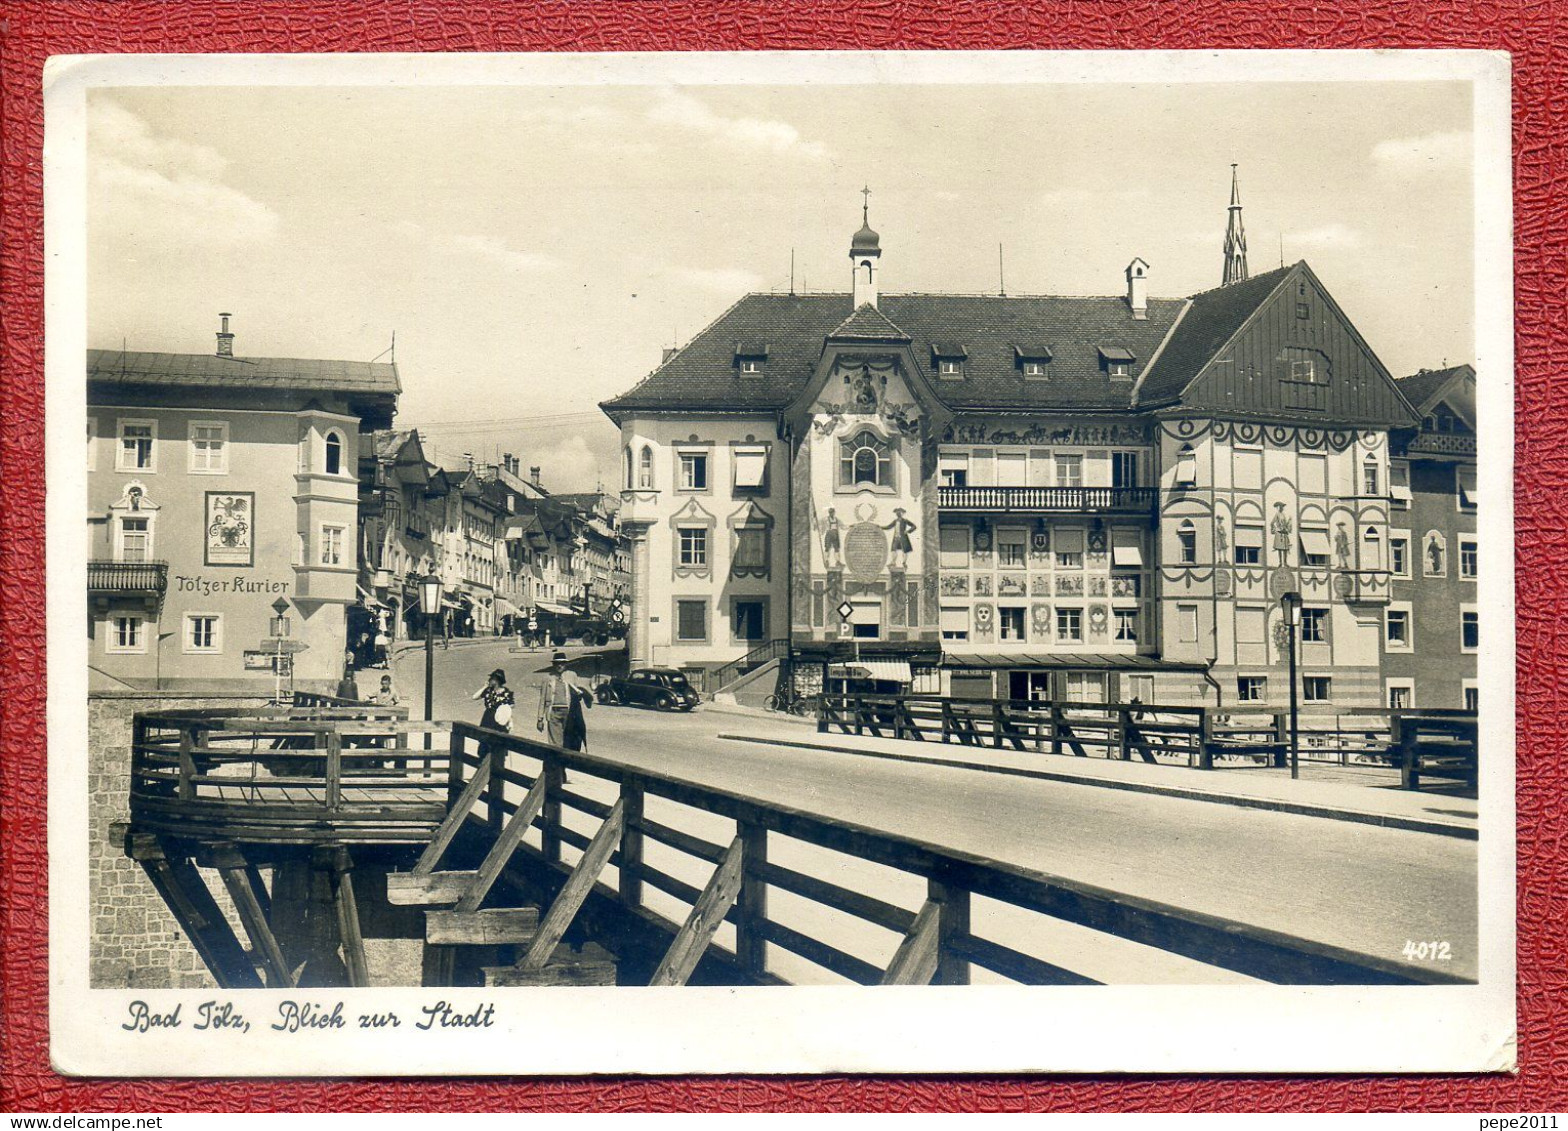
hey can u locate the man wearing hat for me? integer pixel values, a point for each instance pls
(562, 701)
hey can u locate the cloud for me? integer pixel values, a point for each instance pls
(509, 258)
(720, 280)
(165, 191)
(568, 466)
(1428, 153)
(761, 134)
(1327, 236)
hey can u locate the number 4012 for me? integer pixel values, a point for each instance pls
(1436, 951)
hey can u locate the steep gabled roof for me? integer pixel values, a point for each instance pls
(990, 328)
(1212, 320)
(127, 367)
(1423, 390)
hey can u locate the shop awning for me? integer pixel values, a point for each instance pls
(893, 671)
(502, 605)
(552, 607)
(1081, 661)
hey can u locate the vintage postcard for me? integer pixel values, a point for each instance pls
(817, 562)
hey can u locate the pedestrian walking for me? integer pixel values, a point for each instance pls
(498, 700)
(562, 703)
(385, 697)
(382, 643)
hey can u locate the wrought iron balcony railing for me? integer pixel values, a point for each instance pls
(127, 577)
(1058, 500)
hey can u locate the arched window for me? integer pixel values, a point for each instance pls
(1371, 549)
(1187, 542)
(334, 453)
(626, 468)
(1371, 481)
(645, 472)
(867, 266)
(1186, 467)
(865, 460)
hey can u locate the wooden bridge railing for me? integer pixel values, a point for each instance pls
(582, 815)
(1199, 737)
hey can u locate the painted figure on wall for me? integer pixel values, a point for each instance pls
(1282, 528)
(832, 539)
(1342, 546)
(902, 545)
(1221, 540)
(1435, 550)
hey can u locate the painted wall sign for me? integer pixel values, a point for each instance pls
(210, 586)
(230, 528)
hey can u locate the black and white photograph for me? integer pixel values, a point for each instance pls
(604, 563)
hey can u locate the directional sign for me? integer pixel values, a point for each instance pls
(844, 611)
(282, 645)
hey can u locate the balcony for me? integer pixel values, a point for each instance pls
(1139, 501)
(1441, 444)
(128, 579)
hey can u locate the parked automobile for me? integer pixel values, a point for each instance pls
(665, 689)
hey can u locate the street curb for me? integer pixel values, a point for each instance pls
(1354, 816)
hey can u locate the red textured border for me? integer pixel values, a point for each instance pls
(31, 31)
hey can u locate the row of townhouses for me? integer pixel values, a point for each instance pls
(236, 502)
(1035, 496)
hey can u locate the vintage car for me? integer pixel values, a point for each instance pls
(663, 688)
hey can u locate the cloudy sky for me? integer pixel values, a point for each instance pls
(534, 248)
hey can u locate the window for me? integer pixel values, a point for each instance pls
(126, 634)
(1299, 365)
(136, 446)
(1314, 626)
(1465, 477)
(1186, 467)
(1396, 629)
(1069, 471)
(955, 547)
(955, 622)
(645, 469)
(751, 469)
(1069, 549)
(751, 550)
(865, 460)
(1124, 469)
(1069, 626)
(1371, 477)
(1086, 687)
(1469, 558)
(209, 447)
(693, 546)
(953, 470)
(1035, 370)
(1012, 469)
(1252, 688)
(334, 464)
(751, 366)
(1126, 548)
(1249, 545)
(865, 620)
(203, 633)
(1399, 555)
(332, 545)
(1139, 688)
(1249, 469)
(1010, 619)
(135, 540)
(1312, 474)
(92, 443)
(1187, 543)
(1187, 624)
(750, 621)
(1469, 630)
(1401, 695)
(1472, 698)
(1314, 548)
(691, 620)
(694, 471)
(1399, 482)
(1316, 689)
(950, 368)
(1371, 549)
(1012, 547)
(1127, 626)
(1119, 368)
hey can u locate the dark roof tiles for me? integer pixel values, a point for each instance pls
(128, 367)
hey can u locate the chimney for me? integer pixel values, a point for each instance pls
(225, 339)
(533, 474)
(669, 352)
(1138, 288)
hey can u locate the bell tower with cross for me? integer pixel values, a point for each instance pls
(864, 251)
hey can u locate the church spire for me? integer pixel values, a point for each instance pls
(865, 249)
(1235, 237)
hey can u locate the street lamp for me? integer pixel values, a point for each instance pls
(430, 597)
(1291, 604)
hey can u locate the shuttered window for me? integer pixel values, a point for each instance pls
(691, 620)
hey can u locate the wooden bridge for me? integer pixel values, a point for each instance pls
(513, 863)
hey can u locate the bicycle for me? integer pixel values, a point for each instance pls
(789, 703)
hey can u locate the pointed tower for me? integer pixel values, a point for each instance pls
(1235, 237)
(864, 250)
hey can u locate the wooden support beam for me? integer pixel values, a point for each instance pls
(348, 918)
(510, 836)
(494, 926)
(456, 814)
(751, 939)
(197, 913)
(630, 865)
(258, 888)
(953, 904)
(706, 915)
(262, 941)
(576, 889)
(590, 966)
(433, 889)
(915, 960)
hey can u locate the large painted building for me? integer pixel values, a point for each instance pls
(1026, 496)
(218, 487)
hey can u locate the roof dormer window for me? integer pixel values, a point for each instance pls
(1117, 361)
(1034, 362)
(751, 359)
(948, 360)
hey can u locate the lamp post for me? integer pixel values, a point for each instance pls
(1291, 604)
(430, 597)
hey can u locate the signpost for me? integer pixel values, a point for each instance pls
(845, 611)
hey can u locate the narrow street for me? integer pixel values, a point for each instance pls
(1358, 886)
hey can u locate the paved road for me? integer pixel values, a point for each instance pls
(1359, 886)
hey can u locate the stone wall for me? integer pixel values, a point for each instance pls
(135, 941)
